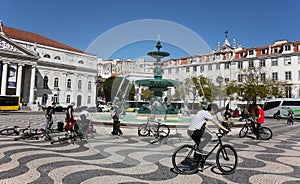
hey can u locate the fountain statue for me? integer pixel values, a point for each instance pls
(158, 106)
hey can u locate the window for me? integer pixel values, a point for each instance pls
(201, 68)
(55, 98)
(263, 51)
(241, 55)
(226, 79)
(57, 57)
(274, 62)
(46, 56)
(288, 75)
(89, 100)
(195, 68)
(251, 52)
(262, 63)
(299, 60)
(287, 61)
(68, 100)
(251, 76)
(177, 70)
(55, 82)
(275, 50)
(69, 84)
(271, 105)
(45, 84)
(251, 64)
(275, 76)
(263, 77)
(240, 78)
(44, 99)
(226, 66)
(287, 47)
(288, 92)
(209, 67)
(169, 71)
(187, 69)
(218, 67)
(89, 85)
(227, 55)
(218, 56)
(80, 62)
(299, 75)
(291, 103)
(240, 64)
(79, 85)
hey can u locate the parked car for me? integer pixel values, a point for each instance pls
(104, 108)
(92, 109)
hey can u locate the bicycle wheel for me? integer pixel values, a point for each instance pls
(8, 131)
(265, 133)
(143, 130)
(243, 132)
(163, 130)
(183, 160)
(226, 159)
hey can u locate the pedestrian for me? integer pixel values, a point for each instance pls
(49, 116)
(260, 120)
(290, 118)
(70, 117)
(116, 120)
(198, 125)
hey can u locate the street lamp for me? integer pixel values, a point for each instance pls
(220, 81)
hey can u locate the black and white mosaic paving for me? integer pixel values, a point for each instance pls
(132, 159)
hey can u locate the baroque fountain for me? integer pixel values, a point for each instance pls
(158, 107)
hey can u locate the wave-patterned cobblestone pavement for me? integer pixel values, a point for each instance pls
(132, 159)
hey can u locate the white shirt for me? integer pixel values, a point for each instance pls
(200, 118)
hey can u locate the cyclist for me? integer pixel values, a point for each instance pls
(49, 115)
(198, 125)
(260, 120)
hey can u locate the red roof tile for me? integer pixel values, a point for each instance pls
(36, 38)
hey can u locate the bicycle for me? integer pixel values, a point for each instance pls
(186, 159)
(153, 127)
(265, 133)
(30, 133)
(10, 131)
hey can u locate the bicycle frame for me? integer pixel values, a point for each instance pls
(219, 144)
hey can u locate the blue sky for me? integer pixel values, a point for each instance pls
(78, 23)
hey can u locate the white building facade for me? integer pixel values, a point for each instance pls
(46, 70)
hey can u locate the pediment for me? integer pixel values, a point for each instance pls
(9, 48)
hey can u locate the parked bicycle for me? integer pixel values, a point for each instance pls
(187, 160)
(33, 133)
(10, 131)
(153, 127)
(265, 133)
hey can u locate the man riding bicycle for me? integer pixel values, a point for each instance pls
(198, 125)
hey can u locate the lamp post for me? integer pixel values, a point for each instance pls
(220, 81)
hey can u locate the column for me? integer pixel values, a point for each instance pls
(19, 80)
(4, 78)
(32, 80)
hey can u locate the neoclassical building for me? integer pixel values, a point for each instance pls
(41, 70)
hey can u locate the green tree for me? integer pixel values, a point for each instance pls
(114, 84)
(147, 94)
(253, 85)
(206, 88)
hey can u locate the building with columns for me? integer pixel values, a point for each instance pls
(41, 70)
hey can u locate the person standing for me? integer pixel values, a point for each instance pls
(116, 120)
(290, 118)
(70, 117)
(49, 116)
(260, 120)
